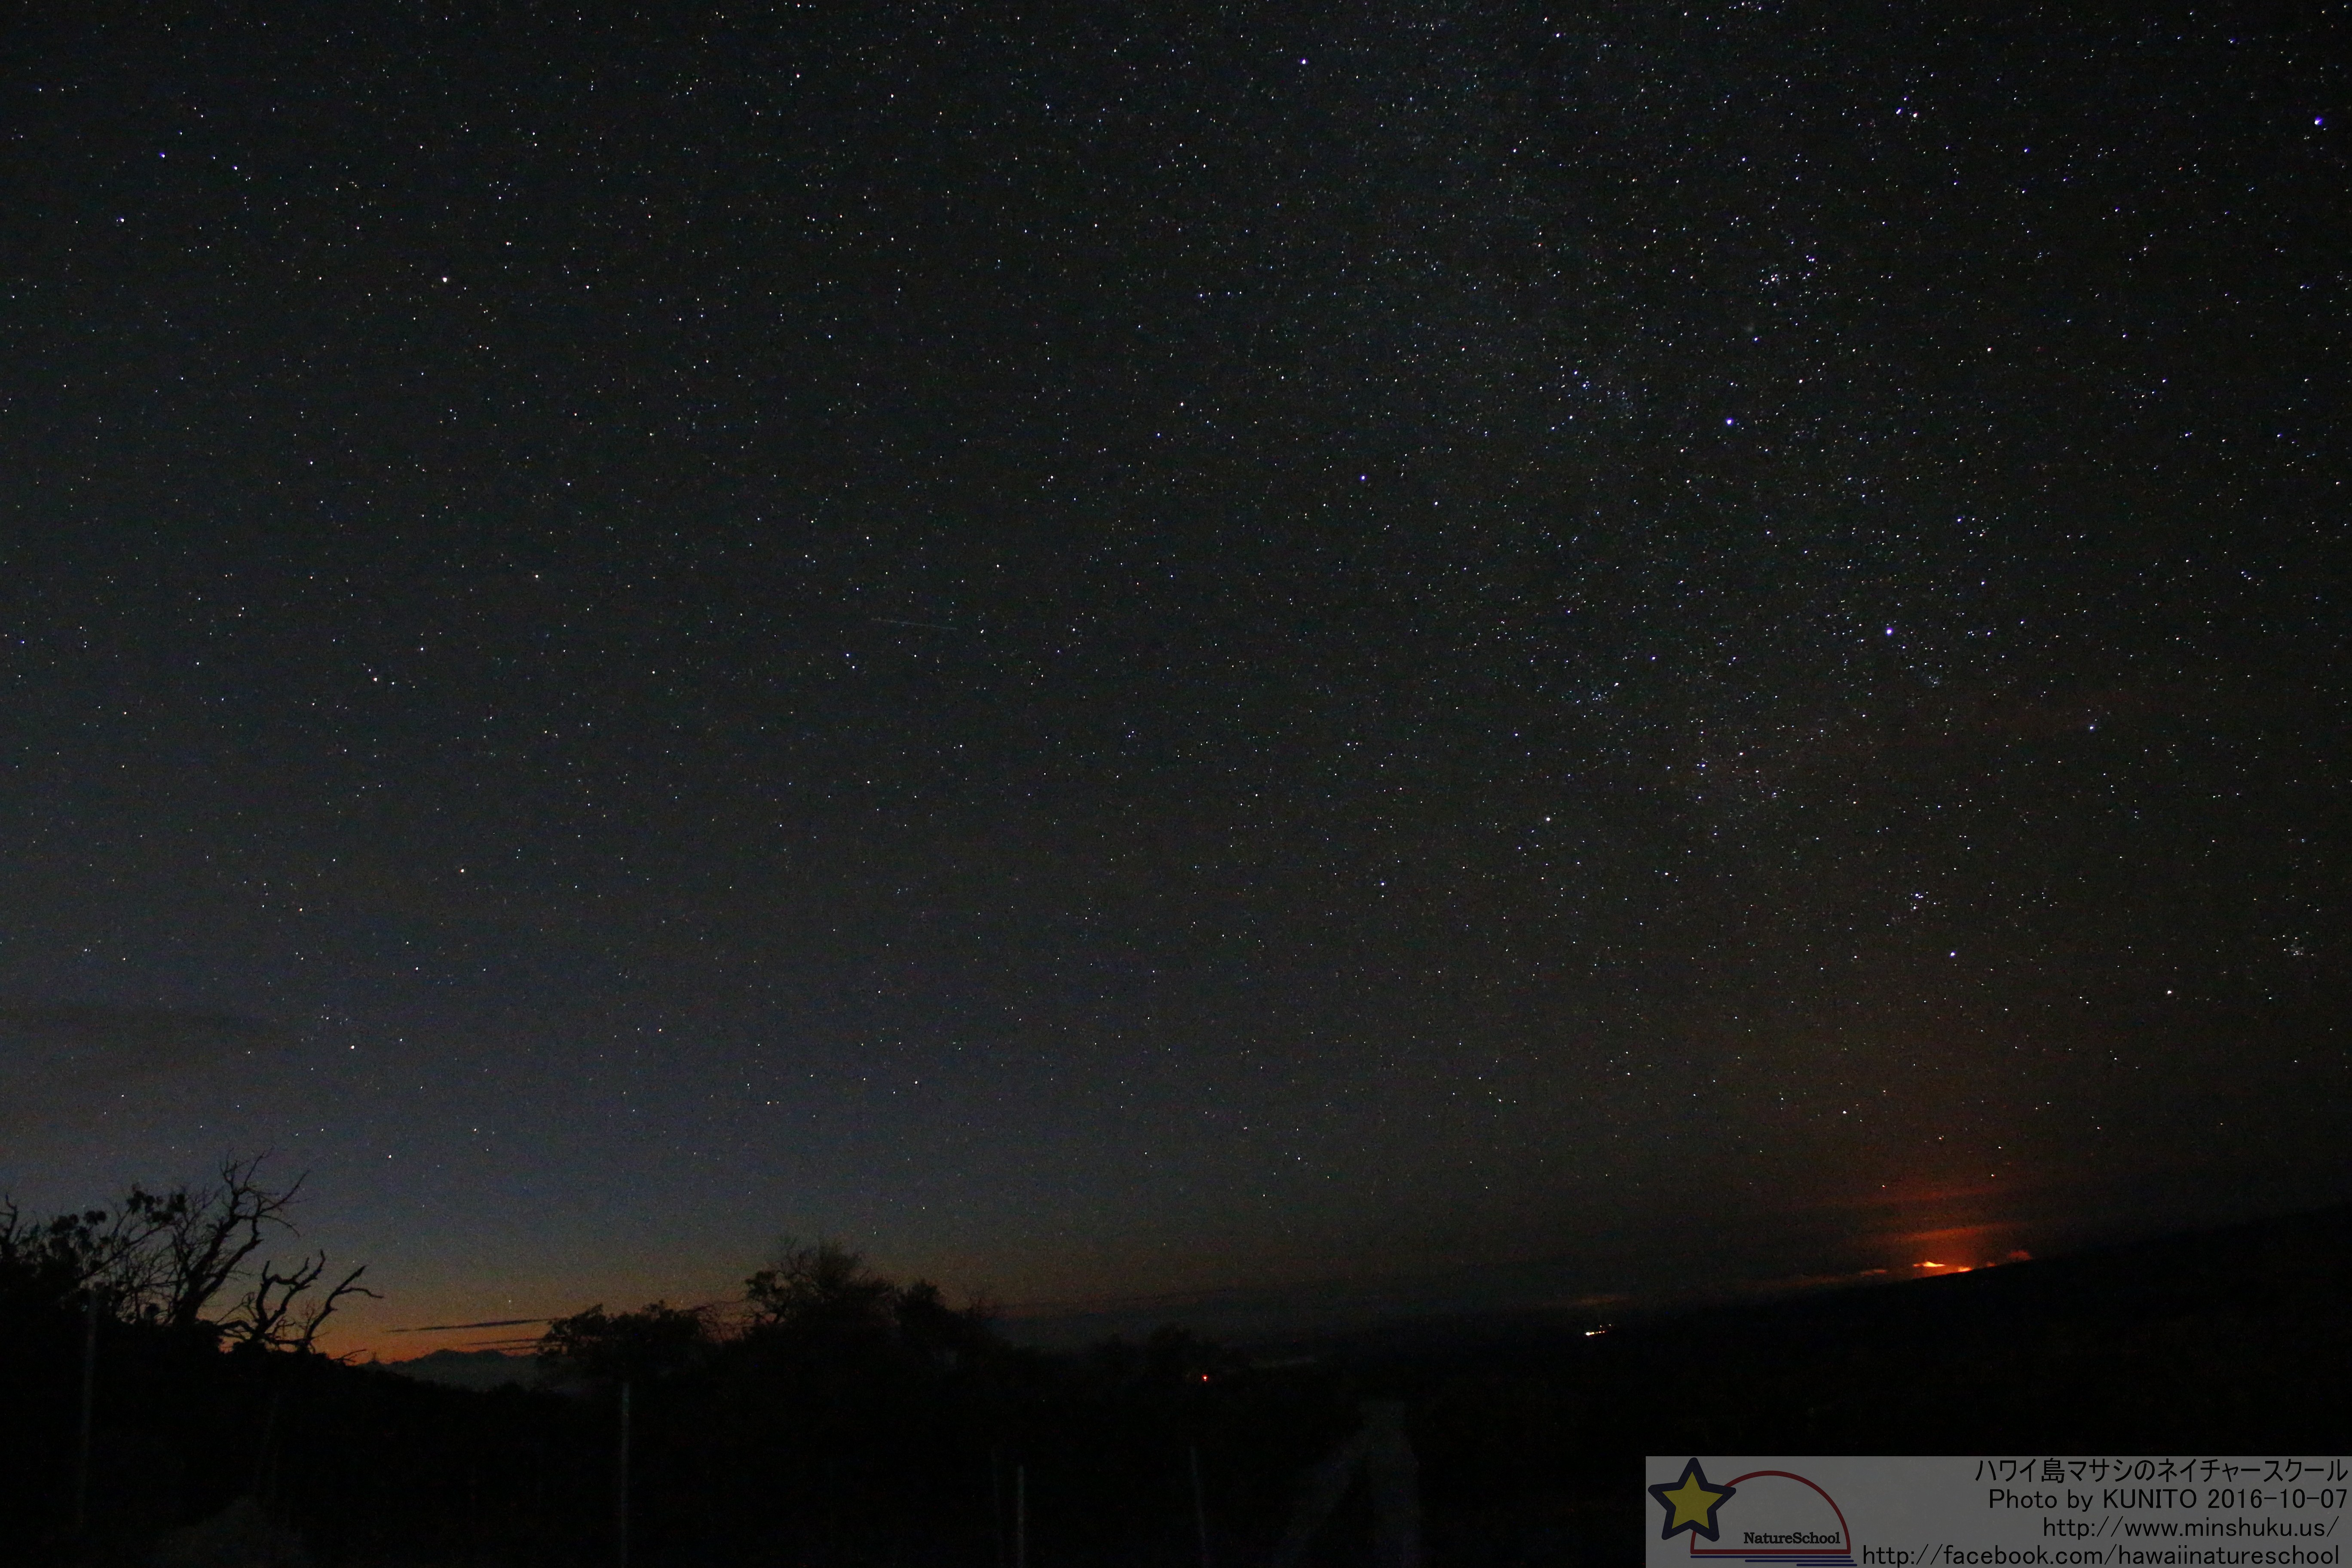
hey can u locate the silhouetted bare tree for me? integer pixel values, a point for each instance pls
(274, 1314)
(209, 1233)
(167, 1260)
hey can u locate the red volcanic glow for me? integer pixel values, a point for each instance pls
(2019, 1256)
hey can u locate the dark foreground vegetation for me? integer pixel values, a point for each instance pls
(844, 1419)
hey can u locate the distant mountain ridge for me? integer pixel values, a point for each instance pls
(480, 1370)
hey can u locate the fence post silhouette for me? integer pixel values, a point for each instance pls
(620, 1486)
(996, 1503)
(1200, 1504)
(89, 1412)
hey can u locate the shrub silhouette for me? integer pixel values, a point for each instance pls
(656, 1341)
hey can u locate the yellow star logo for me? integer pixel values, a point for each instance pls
(1690, 1503)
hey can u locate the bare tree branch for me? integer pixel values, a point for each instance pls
(316, 1317)
(216, 1232)
(167, 1259)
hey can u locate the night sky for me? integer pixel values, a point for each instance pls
(1132, 649)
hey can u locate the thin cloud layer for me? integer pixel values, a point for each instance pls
(55, 1053)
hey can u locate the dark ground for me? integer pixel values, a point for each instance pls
(1528, 1433)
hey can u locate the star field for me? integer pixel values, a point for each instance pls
(1121, 651)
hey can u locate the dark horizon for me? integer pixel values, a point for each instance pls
(1608, 1279)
